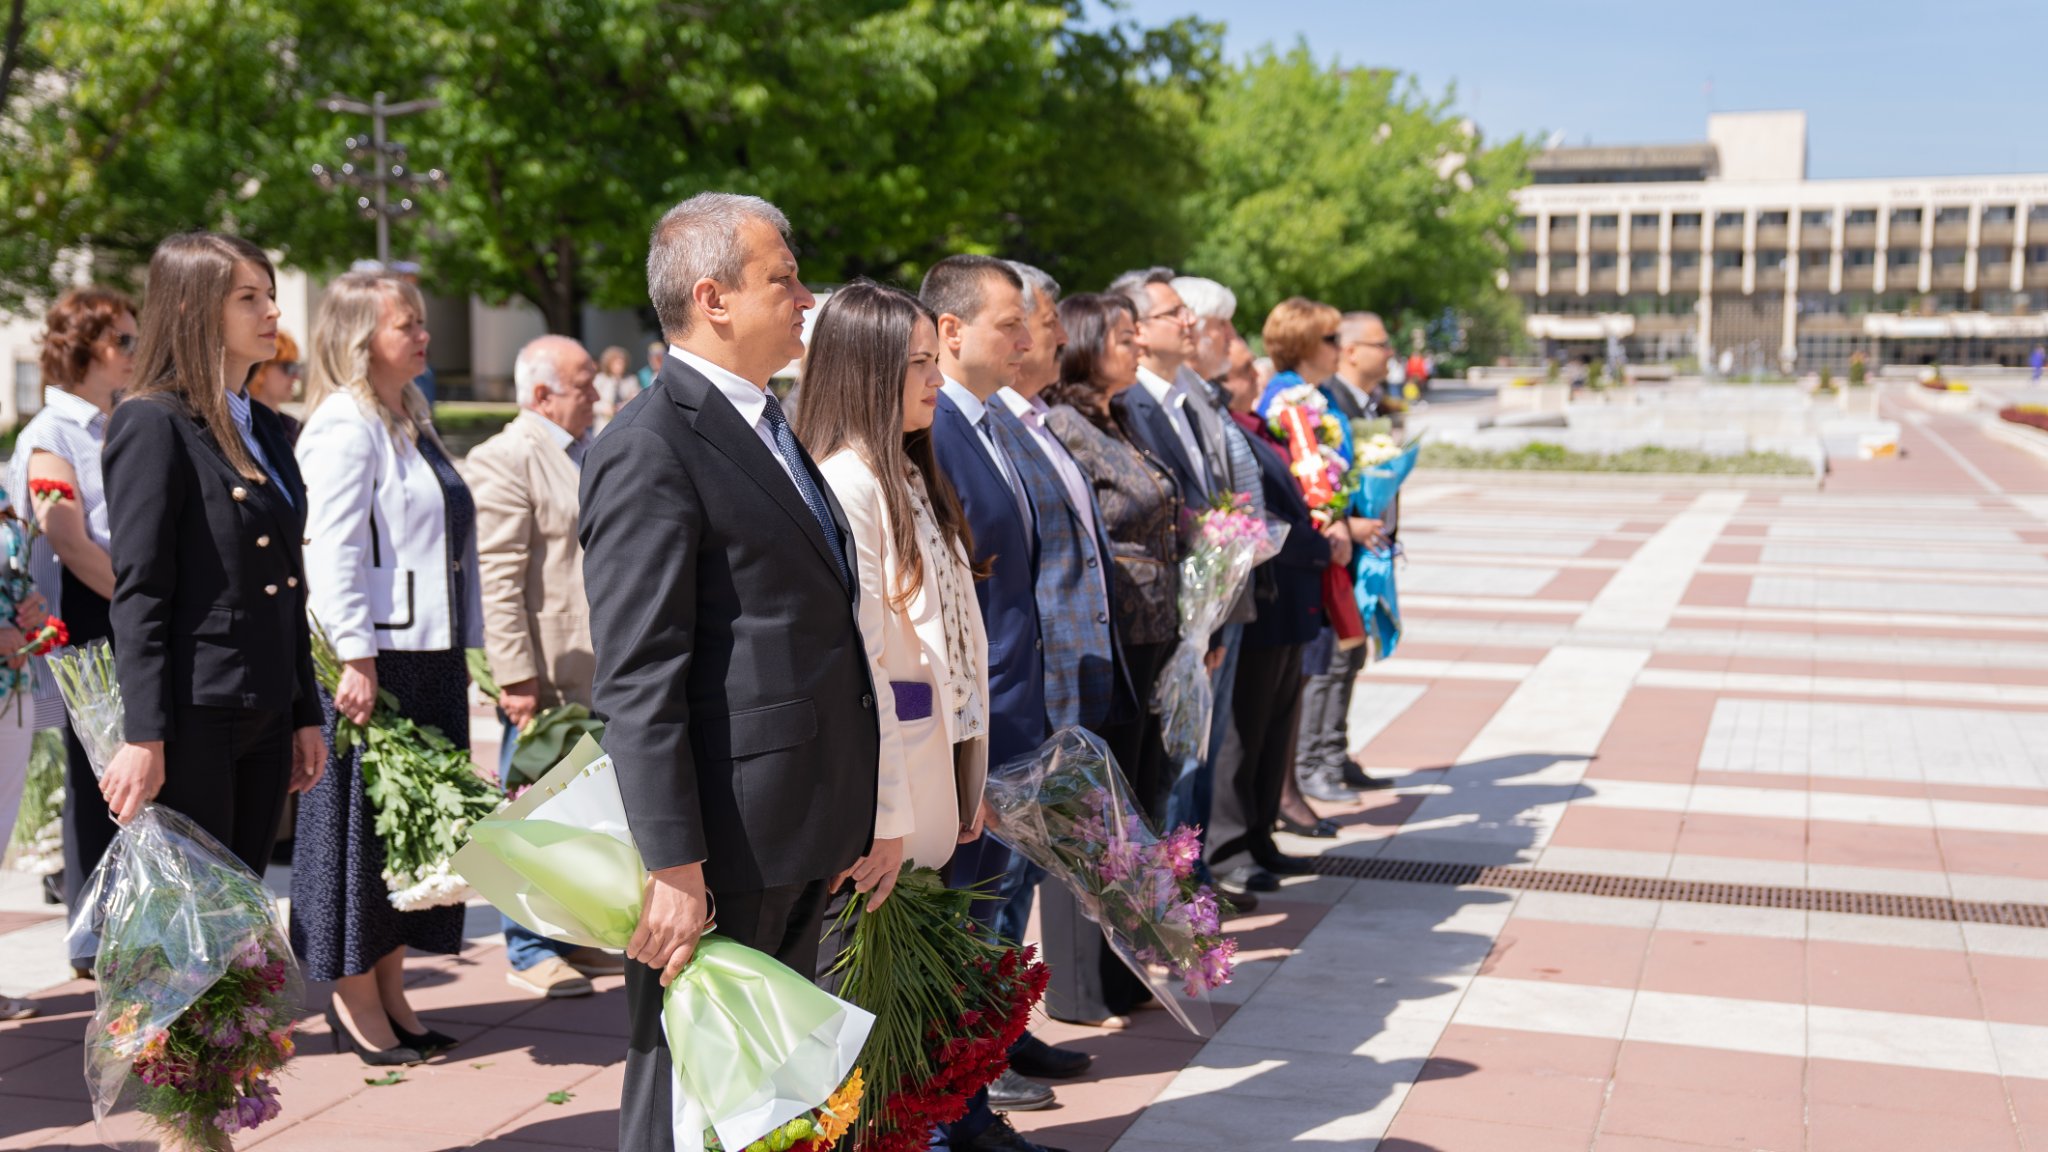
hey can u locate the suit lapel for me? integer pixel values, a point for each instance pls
(561, 471)
(950, 411)
(263, 497)
(721, 426)
(1154, 415)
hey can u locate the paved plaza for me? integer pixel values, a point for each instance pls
(1772, 707)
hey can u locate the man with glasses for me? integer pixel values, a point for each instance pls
(1166, 417)
(1322, 758)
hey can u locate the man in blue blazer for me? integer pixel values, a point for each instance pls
(984, 334)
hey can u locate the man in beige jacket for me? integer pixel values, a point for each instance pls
(536, 619)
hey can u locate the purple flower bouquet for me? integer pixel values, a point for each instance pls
(1229, 540)
(1068, 809)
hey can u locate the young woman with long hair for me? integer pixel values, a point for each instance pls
(206, 508)
(870, 388)
(393, 559)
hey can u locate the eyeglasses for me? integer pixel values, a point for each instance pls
(1182, 314)
(292, 368)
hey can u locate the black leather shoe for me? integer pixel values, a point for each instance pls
(1288, 865)
(428, 1042)
(1000, 1137)
(1322, 785)
(1236, 903)
(1320, 830)
(1030, 1056)
(1013, 1093)
(1355, 778)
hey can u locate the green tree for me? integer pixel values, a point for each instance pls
(1351, 187)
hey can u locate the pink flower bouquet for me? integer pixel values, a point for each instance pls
(1229, 541)
(1067, 808)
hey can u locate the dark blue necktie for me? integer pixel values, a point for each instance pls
(785, 443)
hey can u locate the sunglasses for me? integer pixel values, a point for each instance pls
(292, 368)
(1331, 340)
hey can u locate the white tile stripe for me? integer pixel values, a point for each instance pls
(1758, 642)
(1642, 596)
(1842, 807)
(1960, 691)
(1898, 1039)
(1843, 616)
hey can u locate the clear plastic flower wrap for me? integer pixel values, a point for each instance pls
(1068, 809)
(1229, 541)
(198, 991)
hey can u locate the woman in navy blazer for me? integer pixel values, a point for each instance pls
(206, 514)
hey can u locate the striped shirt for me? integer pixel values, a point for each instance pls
(73, 430)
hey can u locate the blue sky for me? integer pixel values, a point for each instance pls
(1891, 88)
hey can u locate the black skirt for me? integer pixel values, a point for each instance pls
(342, 918)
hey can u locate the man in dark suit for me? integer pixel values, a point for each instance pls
(984, 334)
(1162, 413)
(730, 671)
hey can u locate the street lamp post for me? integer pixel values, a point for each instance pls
(385, 169)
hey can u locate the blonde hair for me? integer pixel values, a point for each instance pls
(183, 347)
(340, 356)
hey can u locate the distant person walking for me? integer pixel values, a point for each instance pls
(2038, 361)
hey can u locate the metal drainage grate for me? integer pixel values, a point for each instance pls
(1688, 891)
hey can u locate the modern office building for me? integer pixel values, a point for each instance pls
(1689, 251)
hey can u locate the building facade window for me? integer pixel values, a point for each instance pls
(1948, 257)
(1772, 219)
(1860, 216)
(1643, 221)
(1525, 223)
(2037, 213)
(1684, 220)
(1859, 257)
(1606, 223)
(1770, 259)
(1817, 218)
(1903, 258)
(1727, 219)
(1642, 262)
(1684, 261)
(1903, 216)
(1605, 261)
(1726, 261)
(1953, 214)
(1564, 223)
(1525, 261)
(1564, 262)
(1994, 254)
(2037, 254)
(1997, 214)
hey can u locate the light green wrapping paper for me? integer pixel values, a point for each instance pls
(754, 1044)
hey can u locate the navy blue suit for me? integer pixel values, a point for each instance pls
(1085, 681)
(1148, 425)
(1289, 588)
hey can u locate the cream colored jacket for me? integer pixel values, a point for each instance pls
(536, 618)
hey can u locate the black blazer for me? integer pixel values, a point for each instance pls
(209, 601)
(730, 672)
(1151, 429)
(1288, 589)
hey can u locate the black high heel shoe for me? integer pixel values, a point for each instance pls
(428, 1042)
(375, 1057)
(1321, 830)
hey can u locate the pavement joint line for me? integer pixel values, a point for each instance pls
(1527, 879)
(1926, 428)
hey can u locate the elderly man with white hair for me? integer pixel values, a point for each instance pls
(536, 619)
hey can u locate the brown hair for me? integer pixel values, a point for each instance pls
(853, 375)
(1294, 328)
(287, 350)
(1087, 318)
(74, 329)
(184, 334)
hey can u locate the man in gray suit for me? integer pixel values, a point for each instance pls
(730, 670)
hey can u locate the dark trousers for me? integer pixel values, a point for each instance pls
(88, 830)
(1325, 741)
(228, 770)
(784, 922)
(1266, 707)
(1138, 744)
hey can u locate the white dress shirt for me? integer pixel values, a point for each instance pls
(750, 398)
(1031, 413)
(1172, 395)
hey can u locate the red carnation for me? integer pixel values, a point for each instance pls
(51, 491)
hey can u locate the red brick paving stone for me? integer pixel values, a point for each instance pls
(1736, 554)
(1743, 837)
(1627, 829)
(2013, 988)
(529, 1053)
(1613, 1142)
(1984, 795)
(1575, 584)
(1657, 735)
(1709, 1069)
(1554, 951)
(18, 1048)
(15, 921)
(2029, 1102)
(1715, 1119)
(1376, 815)
(1432, 731)
(59, 1075)
(590, 1119)
(1644, 527)
(1524, 1099)
(1877, 846)
(1845, 1128)
(1717, 590)
(1713, 964)
(454, 1099)
(1612, 550)
(1510, 1050)
(603, 1013)
(1690, 661)
(1777, 783)
(1993, 853)
(322, 1136)
(1927, 981)
(1422, 1132)
(1746, 528)
(1970, 1094)
(41, 1123)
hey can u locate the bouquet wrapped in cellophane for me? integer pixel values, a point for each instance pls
(545, 738)
(1383, 465)
(948, 1005)
(1067, 808)
(198, 991)
(1319, 457)
(1229, 541)
(426, 792)
(763, 1058)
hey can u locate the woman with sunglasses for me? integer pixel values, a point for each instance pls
(88, 357)
(277, 381)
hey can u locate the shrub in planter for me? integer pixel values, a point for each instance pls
(2031, 415)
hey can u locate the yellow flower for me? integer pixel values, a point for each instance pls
(841, 1110)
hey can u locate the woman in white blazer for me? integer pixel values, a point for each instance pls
(391, 573)
(870, 387)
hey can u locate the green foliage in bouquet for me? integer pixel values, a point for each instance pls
(426, 791)
(546, 738)
(37, 843)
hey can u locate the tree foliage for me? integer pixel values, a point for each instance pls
(1347, 186)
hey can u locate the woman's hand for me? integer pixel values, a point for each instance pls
(309, 759)
(876, 871)
(1366, 532)
(12, 641)
(31, 614)
(356, 695)
(133, 779)
(1340, 543)
(971, 831)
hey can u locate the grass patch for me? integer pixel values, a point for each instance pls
(464, 424)
(1542, 457)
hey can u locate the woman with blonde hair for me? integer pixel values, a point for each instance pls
(616, 384)
(871, 387)
(392, 564)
